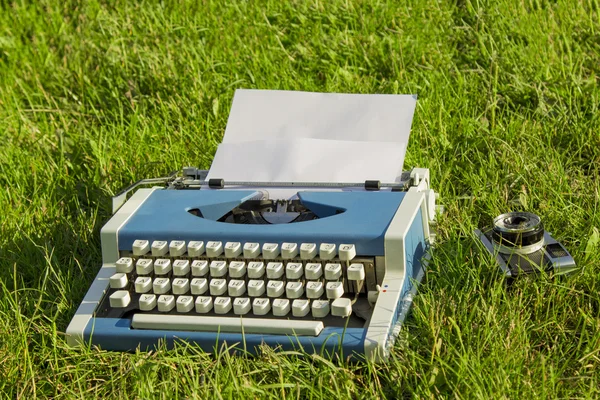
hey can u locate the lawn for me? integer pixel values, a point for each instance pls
(94, 96)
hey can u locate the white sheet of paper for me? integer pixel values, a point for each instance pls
(285, 136)
(269, 114)
(307, 160)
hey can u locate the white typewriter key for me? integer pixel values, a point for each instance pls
(140, 247)
(166, 303)
(270, 250)
(118, 281)
(223, 305)
(356, 272)
(251, 250)
(203, 304)
(281, 307)
(261, 306)
(334, 290)
(275, 270)
(294, 290)
(241, 306)
(313, 270)
(159, 248)
(327, 251)
(176, 248)
(347, 252)
(181, 267)
(199, 286)
(181, 286)
(199, 267)
(300, 308)
(256, 269)
(218, 269)
(143, 266)
(161, 285)
(256, 288)
(147, 302)
(162, 266)
(195, 248)
(120, 299)
(341, 307)
(320, 308)
(314, 290)
(275, 288)
(237, 269)
(218, 287)
(143, 284)
(233, 249)
(289, 250)
(185, 303)
(333, 271)
(214, 249)
(293, 270)
(308, 251)
(236, 287)
(124, 265)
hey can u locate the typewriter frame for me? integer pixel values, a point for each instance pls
(408, 240)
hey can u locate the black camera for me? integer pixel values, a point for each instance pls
(520, 245)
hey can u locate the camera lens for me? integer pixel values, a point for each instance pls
(518, 231)
(515, 221)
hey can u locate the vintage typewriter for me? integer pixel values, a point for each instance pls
(210, 262)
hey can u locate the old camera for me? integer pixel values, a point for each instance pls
(520, 245)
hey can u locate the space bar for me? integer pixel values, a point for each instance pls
(199, 323)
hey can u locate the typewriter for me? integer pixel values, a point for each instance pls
(332, 270)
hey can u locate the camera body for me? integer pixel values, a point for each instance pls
(520, 245)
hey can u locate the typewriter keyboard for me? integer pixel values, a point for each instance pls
(214, 279)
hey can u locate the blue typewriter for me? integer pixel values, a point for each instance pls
(327, 271)
(209, 263)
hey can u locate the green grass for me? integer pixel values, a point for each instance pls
(94, 96)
